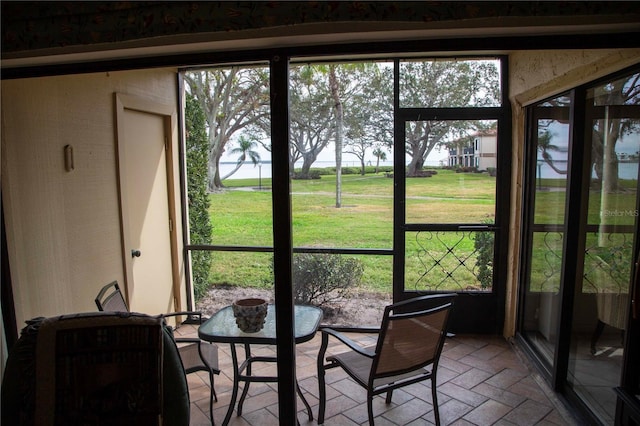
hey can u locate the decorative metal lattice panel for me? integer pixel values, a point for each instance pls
(607, 263)
(450, 261)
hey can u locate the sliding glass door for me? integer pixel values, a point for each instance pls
(612, 130)
(547, 177)
(581, 238)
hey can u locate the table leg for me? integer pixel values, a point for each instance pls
(247, 356)
(236, 381)
(304, 401)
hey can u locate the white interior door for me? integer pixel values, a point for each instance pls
(146, 205)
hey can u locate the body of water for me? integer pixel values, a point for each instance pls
(248, 170)
(625, 170)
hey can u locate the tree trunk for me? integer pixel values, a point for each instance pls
(610, 160)
(215, 153)
(307, 161)
(611, 130)
(238, 165)
(414, 165)
(333, 83)
(292, 165)
(609, 173)
(214, 181)
(418, 148)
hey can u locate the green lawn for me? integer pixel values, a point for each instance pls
(243, 216)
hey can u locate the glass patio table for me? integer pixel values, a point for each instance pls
(222, 328)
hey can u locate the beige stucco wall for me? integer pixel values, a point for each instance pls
(63, 228)
(538, 74)
(533, 76)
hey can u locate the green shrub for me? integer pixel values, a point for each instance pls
(483, 242)
(313, 174)
(324, 171)
(322, 278)
(351, 171)
(466, 169)
(199, 222)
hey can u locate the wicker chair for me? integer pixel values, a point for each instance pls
(195, 354)
(95, 368)
(410, 339)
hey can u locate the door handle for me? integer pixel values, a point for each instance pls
(135, 253)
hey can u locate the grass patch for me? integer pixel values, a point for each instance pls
(243, 216)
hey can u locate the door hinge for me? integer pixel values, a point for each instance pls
(170, 225)
(166, 144)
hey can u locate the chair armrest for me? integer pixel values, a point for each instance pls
(183, 313)
(188, 340)
(347, 341)
(347, 329)
(193, 317)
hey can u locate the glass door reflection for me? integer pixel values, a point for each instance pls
(548, 168)
(602, 298)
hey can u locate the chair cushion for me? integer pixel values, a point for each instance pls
(359, 367)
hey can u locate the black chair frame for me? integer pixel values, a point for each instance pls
(423, 306)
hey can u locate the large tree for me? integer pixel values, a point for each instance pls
(608, 129)
(443, 84)
(349, 104)
(233, 99)
(311, 116)
(369, 115)
(323, 109)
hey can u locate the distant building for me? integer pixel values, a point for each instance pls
(477, 150)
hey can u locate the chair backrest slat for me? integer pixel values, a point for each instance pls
(411, 339)
(111, 299)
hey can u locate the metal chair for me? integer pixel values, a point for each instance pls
(110, 299)
(108, 368)
(408, 348)
(195, 354)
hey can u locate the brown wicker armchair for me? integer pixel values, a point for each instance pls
(195, 354)
(410, 339)
(108, 368)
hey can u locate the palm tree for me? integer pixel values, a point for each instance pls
(245, 148)
(380, 155)
(545, 147)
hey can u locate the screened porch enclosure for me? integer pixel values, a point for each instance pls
(373, 196)
(62, 229)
